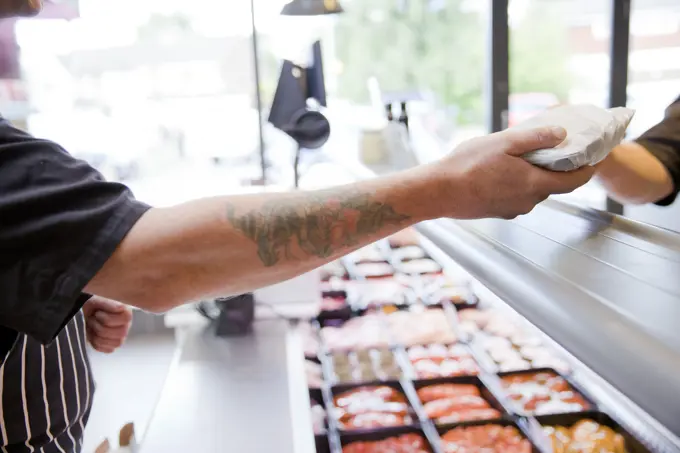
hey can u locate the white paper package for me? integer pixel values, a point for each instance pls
(592, 132)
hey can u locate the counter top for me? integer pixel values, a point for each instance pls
(234, 394)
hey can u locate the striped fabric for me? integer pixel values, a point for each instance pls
(46, 393)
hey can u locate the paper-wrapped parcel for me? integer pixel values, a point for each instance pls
(592, 132)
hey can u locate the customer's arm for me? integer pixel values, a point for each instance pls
(648, 169)
(64, 230)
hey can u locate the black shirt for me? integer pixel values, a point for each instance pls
(59, 223)
(663, 141)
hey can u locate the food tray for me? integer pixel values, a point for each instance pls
(468, 298)
(443, 429)
(633, 445)
(513, 407)
(379, 294)
(341, 388)
(375, 360)
(377, 336)
(412, 373)
(383, 434)
(473, 380)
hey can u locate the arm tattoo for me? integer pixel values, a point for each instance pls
(317, 222)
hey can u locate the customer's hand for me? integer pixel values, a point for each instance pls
(487, 177)
(108, 323)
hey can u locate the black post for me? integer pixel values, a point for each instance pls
(618, 69)
(258, 95)
(498, 85)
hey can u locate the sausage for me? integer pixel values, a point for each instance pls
(435, 392)
(406, 443)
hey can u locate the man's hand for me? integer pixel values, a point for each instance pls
(107, 322)
(486, 176)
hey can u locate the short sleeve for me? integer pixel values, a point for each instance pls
(60, 221)
(663, 142)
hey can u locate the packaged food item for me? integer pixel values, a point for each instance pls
(378, 293)
(586, 436)
(510, 346)
(365, 366)
(380, 269)
(456, 403)
(334, 269)
(409, 253)
(412, 328)
(438, 360)
(371, 407)
(488, 438)
(318, 418)
(422, 266)
(405, 443)
(542, 392)
(458, 295)
(363, 332)
(592, 133)
(368, 254)
(332, 304)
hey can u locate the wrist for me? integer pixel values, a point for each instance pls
(423, 191)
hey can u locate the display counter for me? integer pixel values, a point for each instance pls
(581, 304)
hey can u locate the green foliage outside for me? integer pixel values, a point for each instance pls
(436, 47)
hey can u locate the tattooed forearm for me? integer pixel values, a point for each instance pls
(318, 223)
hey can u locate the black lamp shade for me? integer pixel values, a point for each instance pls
(311, 8)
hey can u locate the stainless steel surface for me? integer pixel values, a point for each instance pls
(238, 394)
(605, 288)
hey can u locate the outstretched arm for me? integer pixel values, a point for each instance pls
(228, 245)
(232, 244)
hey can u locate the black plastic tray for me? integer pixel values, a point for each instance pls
(321, 443)
(576, 387)
(340, 388)
(474, 380)
(383, 434)
(633, 445)
(443, 429)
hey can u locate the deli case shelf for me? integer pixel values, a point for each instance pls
(600, 291)
(449, 335)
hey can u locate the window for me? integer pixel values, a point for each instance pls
(169, 84)
(559, 54)
(654, 61)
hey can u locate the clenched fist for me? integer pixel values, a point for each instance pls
(108, 323)
(487, 177)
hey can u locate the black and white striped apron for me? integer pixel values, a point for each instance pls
(46, 393)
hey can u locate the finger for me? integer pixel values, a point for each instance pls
(108, 305)
(516, 142)
(104, 349)
(108, 344)
(552, 182)
(123, 318)
(107, 333)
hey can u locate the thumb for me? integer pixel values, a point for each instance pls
(516, 142)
